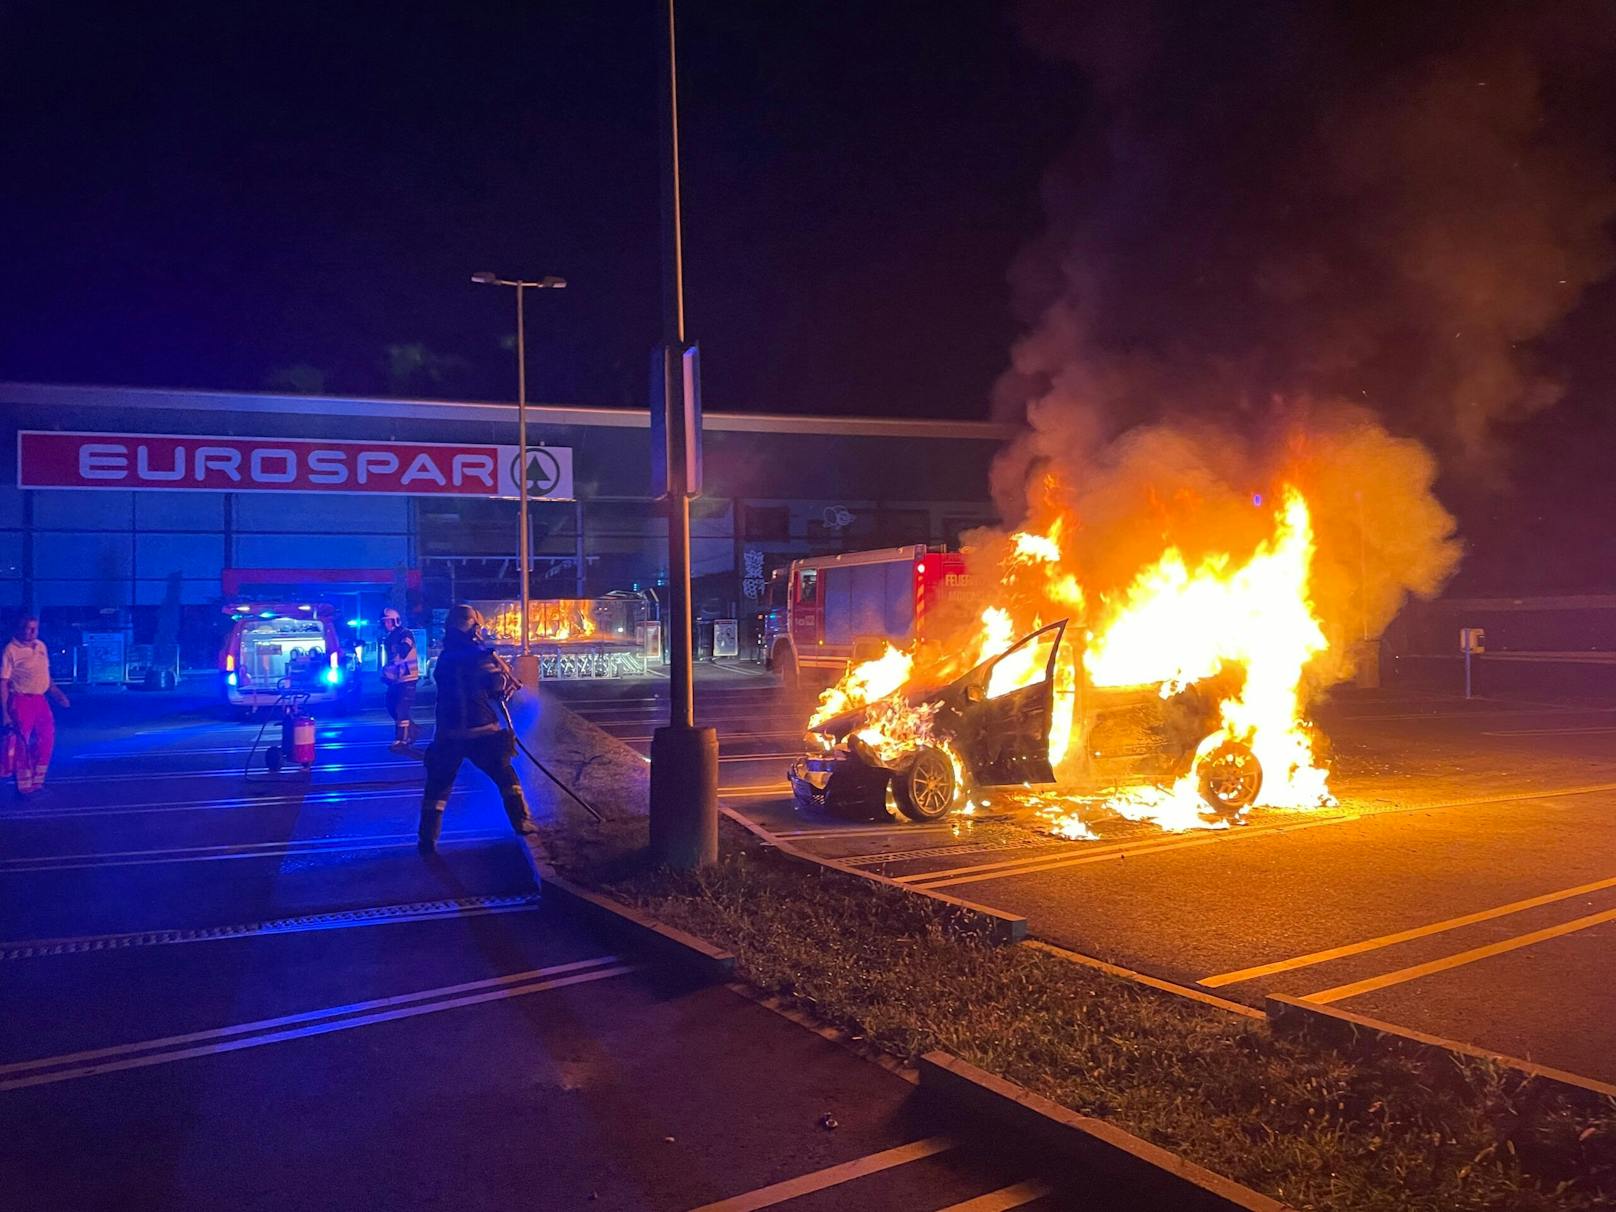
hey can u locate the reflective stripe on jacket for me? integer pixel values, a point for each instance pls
(403, 665)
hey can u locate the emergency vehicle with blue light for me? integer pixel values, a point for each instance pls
(279, 648)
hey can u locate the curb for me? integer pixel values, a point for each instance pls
(634, 928)
(1148, 1175)
(1357, 1032)
(997, 925)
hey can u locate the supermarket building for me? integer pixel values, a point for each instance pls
(128, 502)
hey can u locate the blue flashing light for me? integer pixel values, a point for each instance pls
(333, 676)
(356, 624)
(230, 679)
(266, 614)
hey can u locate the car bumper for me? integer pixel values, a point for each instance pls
(840, 785)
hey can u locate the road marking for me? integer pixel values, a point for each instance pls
(341, 919)
(184, 854)
(231, 772)
(1551, 731)
(303, 800)
(1592, 789)
(264, 1024)
(311, 1022)
(1066, 848)
(1341, 992)
(1013, 1196)
(1402, 936)
(1124, 852)
(146, 755)
(832, 1176)
(859, 830)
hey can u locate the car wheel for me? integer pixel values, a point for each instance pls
(925, 791)
(1229, 778)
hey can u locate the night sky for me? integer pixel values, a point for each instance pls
(1138, 211)
(252, 195)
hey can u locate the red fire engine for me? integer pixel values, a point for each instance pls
(836, 608)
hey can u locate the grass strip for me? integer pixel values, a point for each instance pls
(1290, 1116)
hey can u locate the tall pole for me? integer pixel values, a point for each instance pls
(682, 693)
(527, 665)
(684, 758)
(521, 460)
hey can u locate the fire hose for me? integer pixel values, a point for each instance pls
(543, 769)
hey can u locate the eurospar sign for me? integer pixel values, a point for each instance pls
(172, 462)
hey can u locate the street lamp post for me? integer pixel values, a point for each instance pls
(527, 665)
(684, 757)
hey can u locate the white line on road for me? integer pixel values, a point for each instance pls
(1035, 867)
(600, 965)
(322, 1028)
(1013, 1196)
(232, 772)
(1552, 731)
(1340, 992)
(832, 1176)
(213, 854)
(309, 798)
(1402, 936)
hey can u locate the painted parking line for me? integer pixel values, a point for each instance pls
(337, 919)
(1401, 936)
(252, 850)
(1552, 731)
(147, 755)
(832, 1176)
(1039, 867)
(1402, 975)
(1013, 1196)
(308, 798)
(48, 1070)
(232, 772)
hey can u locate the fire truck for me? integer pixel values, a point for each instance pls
(830, 610)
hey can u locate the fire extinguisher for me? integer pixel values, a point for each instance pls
(297, 737)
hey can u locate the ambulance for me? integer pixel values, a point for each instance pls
(279, 647)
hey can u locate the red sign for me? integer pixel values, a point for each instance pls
(48, 459)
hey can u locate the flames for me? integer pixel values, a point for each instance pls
(551, 620)
(1176, 626)
(865, 683)
(1239, 632)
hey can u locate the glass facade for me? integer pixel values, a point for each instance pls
(775, 488)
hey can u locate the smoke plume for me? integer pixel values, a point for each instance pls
(1309, 243)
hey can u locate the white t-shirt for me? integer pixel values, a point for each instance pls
(26, 665)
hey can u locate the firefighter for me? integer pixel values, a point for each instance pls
(401, 670)
(473, 682)
(26, 692)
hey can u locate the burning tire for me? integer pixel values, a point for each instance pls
(1229, 778)
(925, 790)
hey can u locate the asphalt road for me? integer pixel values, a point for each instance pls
(1465, 884)
(228, 991)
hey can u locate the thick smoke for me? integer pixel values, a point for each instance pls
(1302, 242)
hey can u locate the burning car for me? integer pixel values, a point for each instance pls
(931, 746)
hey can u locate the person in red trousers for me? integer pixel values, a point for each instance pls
(26, 693)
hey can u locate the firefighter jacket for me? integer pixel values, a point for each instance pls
(403, 664)
(472, 683)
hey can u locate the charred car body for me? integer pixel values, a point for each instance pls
(990, 728)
